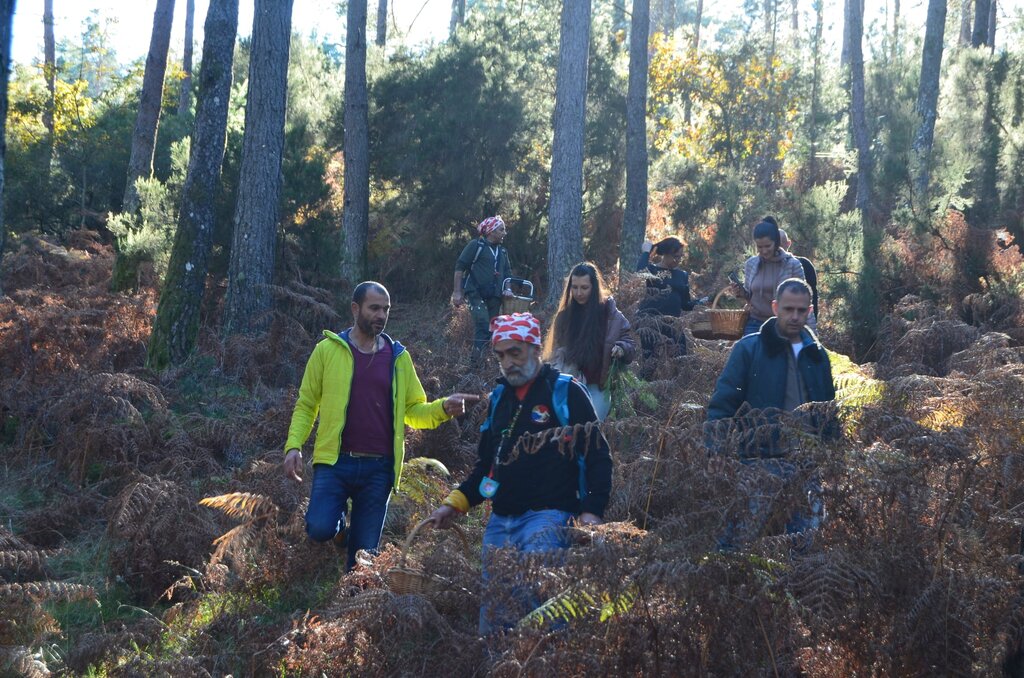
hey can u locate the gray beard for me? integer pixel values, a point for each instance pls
(521, 376)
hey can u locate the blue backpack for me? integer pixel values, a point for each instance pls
(560, 400)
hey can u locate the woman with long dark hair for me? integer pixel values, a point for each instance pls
(588, 333)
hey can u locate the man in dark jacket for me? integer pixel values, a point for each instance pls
(538, 481)
(780, 367)
(479, 273)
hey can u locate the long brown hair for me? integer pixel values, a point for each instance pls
(579, 330)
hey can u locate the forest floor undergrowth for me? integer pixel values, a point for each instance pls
(109, 564)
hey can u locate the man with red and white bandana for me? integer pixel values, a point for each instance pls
(479, 273)
(536, 491)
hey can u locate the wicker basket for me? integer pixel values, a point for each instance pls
(726, 322)
(405, 580)
(516, 303)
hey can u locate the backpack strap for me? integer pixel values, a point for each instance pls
(560, 400)
(494, 398)
(469, 271)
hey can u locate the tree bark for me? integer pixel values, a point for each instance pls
(895, 27)
(795, 25)
(177, 318)
(458, 16)
(382, 22)
(992, 27)
(256, 212)
(986, 196)
(844, 55)
(965, 23)
(819, 26)
(858, 117)
(49, 65)
(928, 91)
(565, 210)
(356, 217)
(696, 24)
(6, 20)
(979, 37)
(186, 61)
(634, 219)
(140, 163)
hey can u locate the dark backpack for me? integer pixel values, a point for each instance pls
(560, 401)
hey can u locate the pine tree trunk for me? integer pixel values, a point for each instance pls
(858, 117)
(634, 220)
(965, 23)
(696, 24)
(140, 163)
(992, 27)
(986, 198)
(928, 91)
(819, 26)
(382, 22)
(177, 318)
(458, 16)
(565, 211)
(186, 61)
(6, 20)
(979, 37)
(49, 65)
(895, 28)
(356, 217)
(256, 212)
(844, 55)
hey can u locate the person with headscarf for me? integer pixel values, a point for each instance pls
(479, 273)
(540, 462)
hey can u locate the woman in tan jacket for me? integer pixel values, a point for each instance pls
(763, 272)
(588, 333)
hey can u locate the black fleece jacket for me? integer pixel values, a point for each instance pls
(546, 479)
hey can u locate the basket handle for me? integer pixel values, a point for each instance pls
(415, 530)
(714, 304)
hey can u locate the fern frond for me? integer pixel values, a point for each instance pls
(13, 560)
(46, 590)
(242, 505)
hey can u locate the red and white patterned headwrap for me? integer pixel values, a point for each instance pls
(489, 224)
(518, 327)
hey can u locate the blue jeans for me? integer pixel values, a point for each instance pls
(367, 481)
(802, 520)
(530, 532)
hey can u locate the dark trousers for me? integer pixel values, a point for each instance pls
(367, 481)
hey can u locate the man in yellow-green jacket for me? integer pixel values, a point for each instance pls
(364, 387)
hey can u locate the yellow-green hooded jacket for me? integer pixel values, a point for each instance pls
(325, 389)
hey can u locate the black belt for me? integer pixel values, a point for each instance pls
(361, 455)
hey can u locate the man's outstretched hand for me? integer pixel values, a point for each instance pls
(443, 517)
(293, 464)
(456, 403)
